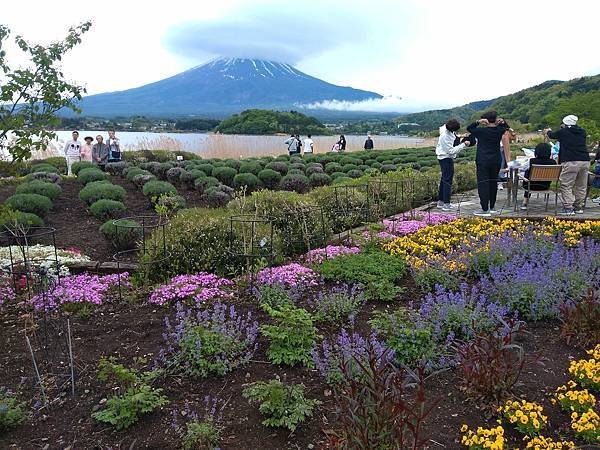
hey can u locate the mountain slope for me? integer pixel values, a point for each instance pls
(221, 87)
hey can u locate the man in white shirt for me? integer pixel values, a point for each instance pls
(308, 145)
(72, 151)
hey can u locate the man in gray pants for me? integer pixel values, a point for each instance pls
(100, 152)
(575, 160)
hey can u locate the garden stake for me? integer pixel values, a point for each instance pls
(71, 357)
(37, 372)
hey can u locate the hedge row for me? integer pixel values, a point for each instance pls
(33, 199)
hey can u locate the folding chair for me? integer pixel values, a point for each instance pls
(539, 173)
(592, 176)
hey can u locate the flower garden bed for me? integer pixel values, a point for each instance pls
(436, 290)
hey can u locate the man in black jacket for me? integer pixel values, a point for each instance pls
(488, 159)
(575, 160)
(368, 143)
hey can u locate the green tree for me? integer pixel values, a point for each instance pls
(30, 96)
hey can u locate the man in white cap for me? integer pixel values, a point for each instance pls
(575, 160)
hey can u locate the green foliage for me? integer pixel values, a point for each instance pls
(105, 209)
(224, 174)
(132, 172)
(278, 166)
(44, 176)
(50, 190)
(79, 165)
(123, 237)
(250, 167)
(167, 205)
(258, 121)
(376, 271)
(154, 189)
(585, 105)
(337, 306)
(269, 177)
(292, 337)
(44, 167)
(91, 174)
(202, 434)
(11, 219)
(412, 344)
(30, 203)
(248, 180)
(284, 405)
(295, 182)
(319, 179)
(429, 277)
(137, 396)
(95, 191)
(12, 412)
(38, 88)
(273, 296)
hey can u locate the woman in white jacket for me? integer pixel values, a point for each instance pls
(447, 149)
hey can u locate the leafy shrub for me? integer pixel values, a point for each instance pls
(295, 172)
(116, 168)
(134, 171)
(376, 271)
(250, 167)
(197, 240)
(49, 177)
(224, 174)
(373, 404)
(137, 397)
(174, 174)
(298, 166)
(60, 162)
(319, 179)
(18, 219)
(278, 166)
(194, 174)
(314, 169)
(350, 160)
(233, 163)
(249, 180)
(292, 337)
(333, 167)
(12, 412)
(123, 237)
(44, 167)
(91, 174)
(581, 320)
(285, 405)
(30, 203)
(356, 173)
(348, 167)
(206, 168)
(95, 191)
(210, 341)
(50, 190)
(490, 365)
(169, 204)
(79, 165)
(412, 341)
(336, 175)
(141, 179)
(154, 189)
(199, 431)
(295, 182)
(105, 209)
(215, 197)
(387, 168)
(203, 183)
(270, 178)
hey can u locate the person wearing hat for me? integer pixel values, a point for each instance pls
(368, 143)
(86, 149)
(575, 160)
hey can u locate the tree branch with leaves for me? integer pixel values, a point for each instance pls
(31, 96)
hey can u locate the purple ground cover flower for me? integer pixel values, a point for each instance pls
(328, 356)
(319, 255)
(7, 293)
(409, 223)
(84, 288)
(288, 276)
(200, 287)
(338, 303)
(214, 340)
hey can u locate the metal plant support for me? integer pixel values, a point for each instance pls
(251, 242)
(305, 230)
(142, 245)
(351, 206)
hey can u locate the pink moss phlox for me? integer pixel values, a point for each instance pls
(319, 255)
(200, 287)
(289, 276)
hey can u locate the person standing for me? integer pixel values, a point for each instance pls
(72, 151)
(100, 152)
(86, 149)
(342, 143)
(575, 160)
(299, 144)
(543, 153)
(309, 145)
(447, 150)
(368, 143)
(292, 144)
(487, 159)
(505, 157)
(114, 145)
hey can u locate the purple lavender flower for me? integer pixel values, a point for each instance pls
(338, 303)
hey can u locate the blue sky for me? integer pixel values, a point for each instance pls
(429, 53)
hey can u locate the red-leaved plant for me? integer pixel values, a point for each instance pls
(490, 365)
(383, 407)
(581, 320)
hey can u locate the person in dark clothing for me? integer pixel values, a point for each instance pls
(369, 143)
(342, 143)
(542, 158)
(488, 159)
(575, 160)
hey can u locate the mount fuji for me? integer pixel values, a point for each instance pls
(221, 87)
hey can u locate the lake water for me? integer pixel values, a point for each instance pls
(232, 146)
